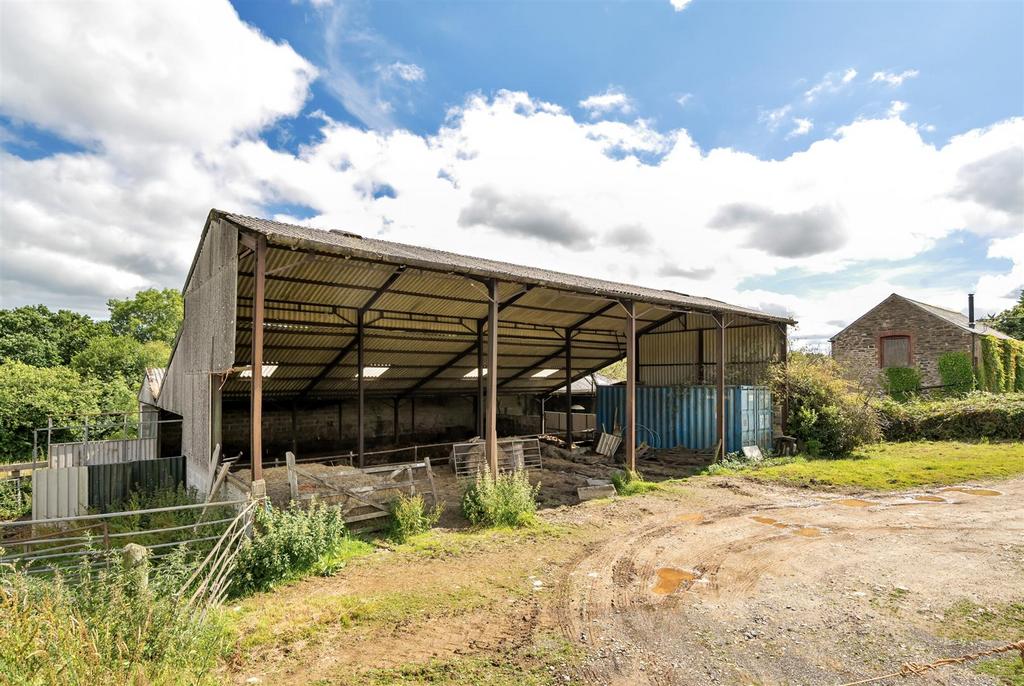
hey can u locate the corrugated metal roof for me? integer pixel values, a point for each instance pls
(958, 319)
(346, 243)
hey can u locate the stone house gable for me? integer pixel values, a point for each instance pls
(908, 333)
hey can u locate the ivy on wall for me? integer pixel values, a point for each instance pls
(902, 382)
(957, 373)
(1001, 367)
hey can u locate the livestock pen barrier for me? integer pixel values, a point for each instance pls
(64, 544)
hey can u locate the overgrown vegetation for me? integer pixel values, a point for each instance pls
(827, 413)
(631, 482)
(410, 516)
(973, 417)
(64, 364)
(1001, 368)
(107, 628)
(892, 466)
(289, 543)
(1011, 320)
(508, 500)
(15, 498)
(956, 373)
(902, 382)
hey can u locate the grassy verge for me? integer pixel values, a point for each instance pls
(969, 622)
(893, 466)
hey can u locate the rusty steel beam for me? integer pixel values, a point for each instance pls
(720, 386)
(630, 420)
(256, 393)
(511, 300)
(492, 379)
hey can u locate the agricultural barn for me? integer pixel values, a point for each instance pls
(362, 343)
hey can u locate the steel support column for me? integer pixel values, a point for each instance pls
(492, 379)
(630, 419)
(360, 431)
(256, 408)
(480, 379)
(568, 389)
(720, 390)
(395, 421)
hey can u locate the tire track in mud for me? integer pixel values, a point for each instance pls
(598, 609)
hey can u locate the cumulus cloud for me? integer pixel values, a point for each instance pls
(525, 216)
(832, 82)
(801, 127)
(508, 176)
(773, 118)
(897, 107)
(678, 271)
(784, 234)
(612, 100)
(403, 71)
(630, 237)
(995, 181)
(892, 78)
(680, 5)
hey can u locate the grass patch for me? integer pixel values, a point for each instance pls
(967, 621)
(435, 544)
(632, 483)
(893, 466)
(544, 664)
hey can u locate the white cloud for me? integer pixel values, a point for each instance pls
(600, 196)
(892, 78)
(773, 118)
(832, 82)
(684, 99)
(801, 127)
(612, 100)
(897, 107)
(680, 5)
(403, 71)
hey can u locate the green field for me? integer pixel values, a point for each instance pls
(894, 466)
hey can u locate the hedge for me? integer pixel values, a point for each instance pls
(902, 382)
(975, 416)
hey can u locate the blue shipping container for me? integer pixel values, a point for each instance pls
(671, 416)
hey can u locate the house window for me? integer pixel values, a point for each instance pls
(895, 351)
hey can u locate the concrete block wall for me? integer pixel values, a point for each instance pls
(857, 348)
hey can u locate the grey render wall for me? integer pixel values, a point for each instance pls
(857, 348)
(206, 345)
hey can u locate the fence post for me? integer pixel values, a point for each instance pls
(85, 442)
(49, 438)
(124, 439)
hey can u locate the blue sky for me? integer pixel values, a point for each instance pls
(802, 157)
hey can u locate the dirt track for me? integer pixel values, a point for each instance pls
(720, 582)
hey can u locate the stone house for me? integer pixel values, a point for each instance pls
(900, 332)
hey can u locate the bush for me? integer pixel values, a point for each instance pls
(509, 500)
(287, 543)
(409, 516)
(902, 383)
(825, 410)
(104, 629)
(976, 416)
(957, 373)
(630, 482)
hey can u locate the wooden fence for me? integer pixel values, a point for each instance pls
(365, 494)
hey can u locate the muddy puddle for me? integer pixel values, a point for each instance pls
(855, 502)
(971, 491)
(804, 531)
(930, 499)
(670, 578)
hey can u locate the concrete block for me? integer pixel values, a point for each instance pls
(594, 492)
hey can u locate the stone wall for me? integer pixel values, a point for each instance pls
(857, 348)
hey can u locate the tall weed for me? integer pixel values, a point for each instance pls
(508, 500)
(410, 516)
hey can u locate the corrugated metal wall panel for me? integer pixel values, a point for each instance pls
(110, 484)
(671, 416)
(673, 358)
(60, 492)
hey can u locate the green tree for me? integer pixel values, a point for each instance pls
(28, 395)
(1010, 321)
(150, 315)
(36, 335)
(111, 358)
